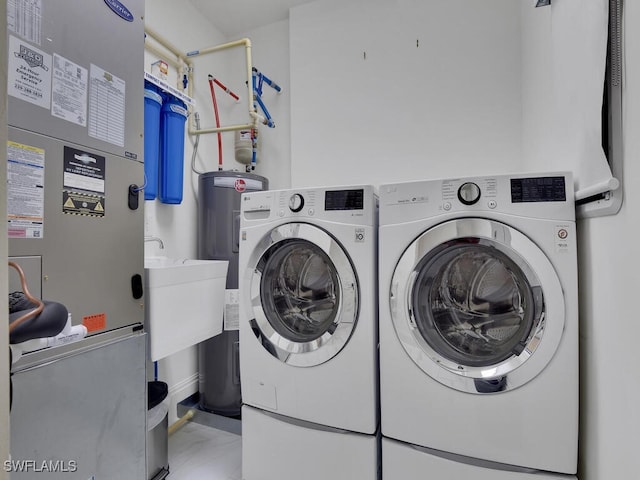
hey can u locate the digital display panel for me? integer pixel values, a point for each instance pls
(344, 200)
(538, 189)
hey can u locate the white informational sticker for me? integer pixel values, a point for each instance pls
(24, 17)
(29, 73)
(83, 170)
(106, 106)
(562, 238)
(69, 91)
(232, 309)
(25, 191)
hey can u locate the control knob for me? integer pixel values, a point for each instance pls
(296, 202)
(469, 193)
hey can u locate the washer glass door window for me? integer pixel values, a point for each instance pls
(470, 309)
(304, 295)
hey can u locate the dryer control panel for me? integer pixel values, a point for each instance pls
(548, 195)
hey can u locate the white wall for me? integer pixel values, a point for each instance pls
(609, 279)
(394, 91)
(4, 338)
(609, 263)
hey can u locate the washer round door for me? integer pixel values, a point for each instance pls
(303, 293)
(477, 305)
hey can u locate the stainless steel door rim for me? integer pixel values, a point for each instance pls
(303, 293)
(528, 333)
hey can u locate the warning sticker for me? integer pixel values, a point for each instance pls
(563, 239)
(25, 191)
(95, 322)
(77, 203)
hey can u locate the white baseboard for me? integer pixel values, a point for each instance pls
(178, 392)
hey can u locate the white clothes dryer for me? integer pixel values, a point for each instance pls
(479, 318)
(308, 316)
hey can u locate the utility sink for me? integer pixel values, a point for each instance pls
(184, 302)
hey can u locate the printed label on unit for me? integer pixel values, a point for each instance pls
(83, 170)
(77, 203)
(562, 238)
(106, 106)
(231, 309)
(29, 73)
(95, 322)
(24, 17)
(25, 191)
(69, 91)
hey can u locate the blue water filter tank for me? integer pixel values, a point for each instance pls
(173, 116)
(152, 106)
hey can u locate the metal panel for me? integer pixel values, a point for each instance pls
(32, 268)
(89, 33)
(95, 402)
(88, 261)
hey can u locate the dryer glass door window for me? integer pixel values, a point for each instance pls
(477, 305)
(473, 304)
(304, 294)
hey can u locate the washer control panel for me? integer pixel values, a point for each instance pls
(356, 204)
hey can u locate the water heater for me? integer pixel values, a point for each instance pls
(219, 195)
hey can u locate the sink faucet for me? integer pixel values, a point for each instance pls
(155, 239)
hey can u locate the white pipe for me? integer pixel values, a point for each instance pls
(229, 128)
(603, 186)
(253, 115)
(165, 43)
(180, 58)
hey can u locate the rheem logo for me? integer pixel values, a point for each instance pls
(240, 185)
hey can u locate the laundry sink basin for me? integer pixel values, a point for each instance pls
(184, 302)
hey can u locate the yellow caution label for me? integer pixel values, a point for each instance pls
(77, 203)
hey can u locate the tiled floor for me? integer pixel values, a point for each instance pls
(200, 452)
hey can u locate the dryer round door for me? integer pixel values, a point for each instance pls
(303, 293)
(477, 305)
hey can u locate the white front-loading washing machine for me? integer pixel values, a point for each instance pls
(308, 325)
(479, 322)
